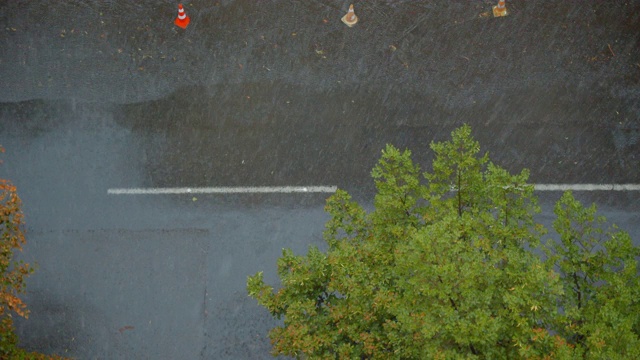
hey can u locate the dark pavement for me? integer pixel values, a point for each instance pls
(109, 94)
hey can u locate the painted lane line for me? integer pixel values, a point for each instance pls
(332, 189)
(587, 187)
(225, 190)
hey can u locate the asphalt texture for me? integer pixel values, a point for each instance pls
(110, 94)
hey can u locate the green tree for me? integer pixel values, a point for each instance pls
(601, 298)
(441, 270)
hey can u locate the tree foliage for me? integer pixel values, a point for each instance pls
(450, 269)
(12, 273)
(601, 288)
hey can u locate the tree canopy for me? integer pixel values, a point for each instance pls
(13, 274)
(450, 264)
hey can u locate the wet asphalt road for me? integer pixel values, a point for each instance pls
(104, 94)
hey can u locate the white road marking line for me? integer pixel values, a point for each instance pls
(332, 189)
(225, 190)
(587, 187)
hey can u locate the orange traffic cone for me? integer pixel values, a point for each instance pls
(182, 20)
(350, 18)
(500, 9)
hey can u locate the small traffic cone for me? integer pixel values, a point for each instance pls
(350, 18)
(182, 20)
(500, 9)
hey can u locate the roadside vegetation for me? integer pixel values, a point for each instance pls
(451, 264)
(12, 273)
